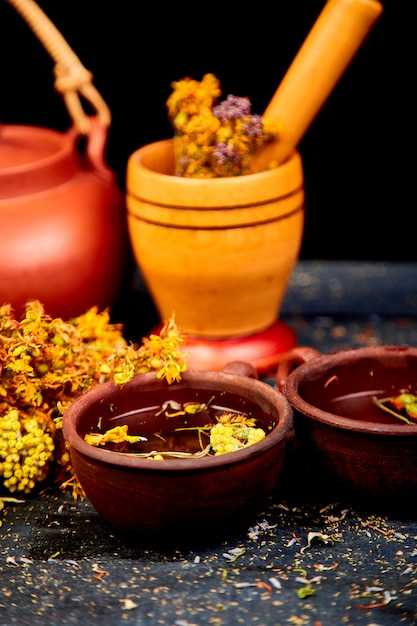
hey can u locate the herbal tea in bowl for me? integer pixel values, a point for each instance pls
(177, 462)
(355, 420)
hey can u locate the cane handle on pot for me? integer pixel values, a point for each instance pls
(72, 79)
(240, 368)
(292, 359)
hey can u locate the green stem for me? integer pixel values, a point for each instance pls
(380, 404)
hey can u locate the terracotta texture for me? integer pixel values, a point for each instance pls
(218, 252)
(338, 428)
(178, 499)
(62, 219)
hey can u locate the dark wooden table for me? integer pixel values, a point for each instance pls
(61, 564)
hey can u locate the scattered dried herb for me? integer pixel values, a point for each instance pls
(322, 537)
(305, 592)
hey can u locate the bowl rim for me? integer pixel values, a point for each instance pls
(322, 362)
(237, 384)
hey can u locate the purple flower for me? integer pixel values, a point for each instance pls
(232, 108)
(223, 153)
(254, 126)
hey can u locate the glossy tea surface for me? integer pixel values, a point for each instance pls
(173, 425)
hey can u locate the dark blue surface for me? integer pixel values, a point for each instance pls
(352, 288)
(61, 564)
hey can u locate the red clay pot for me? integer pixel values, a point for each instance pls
(178, 500)
(62, 221)
(338, 428)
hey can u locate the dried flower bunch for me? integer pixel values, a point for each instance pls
(212, 138)
(45, 365)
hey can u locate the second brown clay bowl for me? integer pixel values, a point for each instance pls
(371, 455)
(178, 499)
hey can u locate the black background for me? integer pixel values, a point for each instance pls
(357, 154)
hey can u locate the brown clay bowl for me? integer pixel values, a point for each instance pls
(178, 499)
(339, 430)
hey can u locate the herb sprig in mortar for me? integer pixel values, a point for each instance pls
(212, 138)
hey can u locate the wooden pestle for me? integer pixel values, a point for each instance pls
(333, 41)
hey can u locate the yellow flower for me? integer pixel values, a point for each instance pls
(118, 434)
(46, 364)
(190, 97)
(26, 451)
(225, 438)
